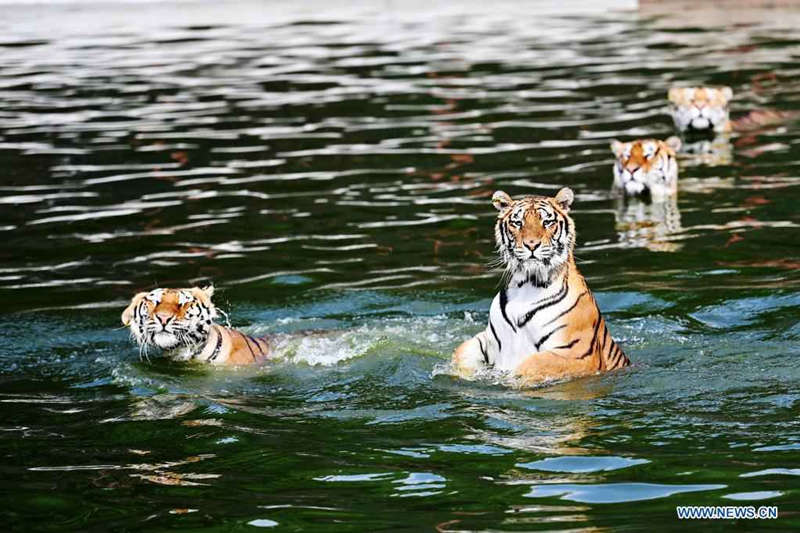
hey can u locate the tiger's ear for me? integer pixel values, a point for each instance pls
(727, 92)
(204, 292)
(674, 143)
(127, 314)
(674, 94)
(501, 200)
(564, 199)
(617, 147)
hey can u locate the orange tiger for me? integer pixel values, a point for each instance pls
(544, 324)
(646, 166)
(181, 322)
(700, 108)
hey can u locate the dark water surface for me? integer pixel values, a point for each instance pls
(330, 169)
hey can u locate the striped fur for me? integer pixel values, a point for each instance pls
(544, 324)
(700, 108)
(646, 167)
(181, 322)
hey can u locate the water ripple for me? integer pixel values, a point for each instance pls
(359, 123)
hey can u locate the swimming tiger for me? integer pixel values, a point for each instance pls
(544, 323)
(705, 109)
(646, 166)
(181, 322)
(696, 109)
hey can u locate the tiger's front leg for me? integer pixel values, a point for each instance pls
(471, 355)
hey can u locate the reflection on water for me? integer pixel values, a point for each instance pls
(649, 224)
(351, 153)
(330, 169)
(712, 152)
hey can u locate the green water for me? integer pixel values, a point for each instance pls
(330, 169)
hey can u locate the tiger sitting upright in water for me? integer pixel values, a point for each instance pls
(181, 322)
(544, 324)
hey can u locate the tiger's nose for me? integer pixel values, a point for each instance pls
(632, 168)
(163, 318)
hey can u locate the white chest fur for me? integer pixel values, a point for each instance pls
(524, 320)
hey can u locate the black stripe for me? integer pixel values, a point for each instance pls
(502, 231)
(594, 338)
(139, 312)
(562, 234)
(215, 353)
(483, 351)
(616, 353)
(621, 358)
(570, 345)
(536, 282)
(605, 338)
(263, 344)
(260, 349)
(496, 338)
(553, 300)
(246, 339)
(503, 303)
(203, 347)
(547, 336)
(248, 344)
(569, 309)
(614, 358)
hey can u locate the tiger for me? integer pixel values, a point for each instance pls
(544, 324)
(181, 323)
(696, 109)
(646, 166)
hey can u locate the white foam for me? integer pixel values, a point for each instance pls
(435, 336)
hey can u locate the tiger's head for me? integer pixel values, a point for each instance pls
(700, 108)
(535, 236)
(646, 166)
(171, 318)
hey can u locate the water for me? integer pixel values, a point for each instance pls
(330, 170)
